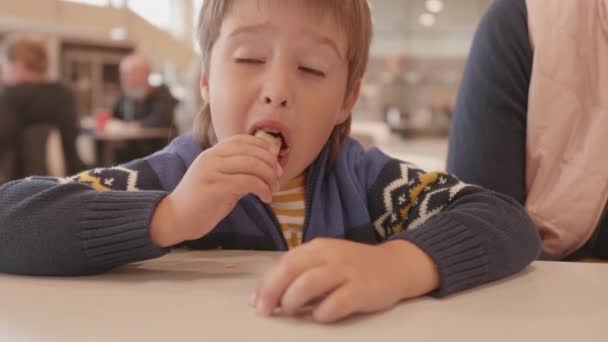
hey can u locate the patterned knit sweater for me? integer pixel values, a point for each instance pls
(99, 219)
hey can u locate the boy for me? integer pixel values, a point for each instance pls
(270, 167)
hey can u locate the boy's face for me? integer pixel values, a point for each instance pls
(279, 68)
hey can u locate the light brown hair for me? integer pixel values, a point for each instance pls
(28, 50)
(354, 18)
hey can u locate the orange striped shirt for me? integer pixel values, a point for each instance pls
(289, 206)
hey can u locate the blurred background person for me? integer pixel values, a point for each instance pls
(147, 105)
(142, 105)
(30, 107)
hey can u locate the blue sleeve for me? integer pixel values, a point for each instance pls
(473, 235)
(91, 222)
(488, 135)
(85, 224)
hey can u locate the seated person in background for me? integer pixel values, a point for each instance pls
(28, 98)
(149, 106)
(142, 106)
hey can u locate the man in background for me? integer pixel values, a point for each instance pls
(142, 105)
(146, 105)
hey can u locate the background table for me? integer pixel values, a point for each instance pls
(107, 143)
(202, 296)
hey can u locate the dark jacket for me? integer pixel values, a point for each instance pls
(27, 104)
(156, 110)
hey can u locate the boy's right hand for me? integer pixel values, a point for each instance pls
(217, 179)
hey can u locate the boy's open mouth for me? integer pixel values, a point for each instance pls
(276, 136)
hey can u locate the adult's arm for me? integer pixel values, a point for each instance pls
(488, 135)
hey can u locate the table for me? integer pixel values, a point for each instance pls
(106, 143)
(202, 296)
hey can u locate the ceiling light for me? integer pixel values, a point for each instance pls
(434, 6)
(155, 79)
(426, 19)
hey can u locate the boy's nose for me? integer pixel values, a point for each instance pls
(276, 91)
(275, 101)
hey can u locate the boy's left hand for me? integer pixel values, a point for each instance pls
(347, 277)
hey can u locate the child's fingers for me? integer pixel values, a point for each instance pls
(236, 144)
(275, 282)
(242, 185)
(249, 165)
(265, 155)
(310, 285)
(339, 304)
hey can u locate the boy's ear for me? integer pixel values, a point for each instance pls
(204, 86)
(349, 103)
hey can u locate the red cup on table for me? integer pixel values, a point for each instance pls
(101, 120)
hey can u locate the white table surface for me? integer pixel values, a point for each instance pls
(202, 296)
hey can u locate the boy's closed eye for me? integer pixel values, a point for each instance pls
(314, 64)
(305, 69)
(312, 71)
(249, 60)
